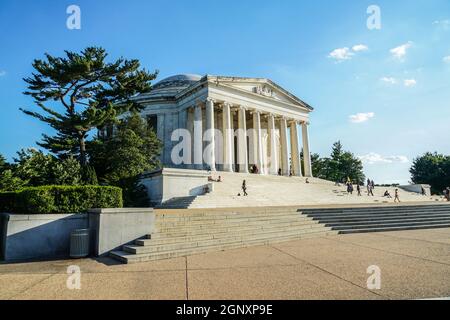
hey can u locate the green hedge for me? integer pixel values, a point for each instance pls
(60, 199)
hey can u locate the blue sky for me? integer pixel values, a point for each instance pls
(394, 81)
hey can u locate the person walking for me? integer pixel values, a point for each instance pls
(349, 188)
(397, 198)
(358, 188)
(244, 188)
(370, 190)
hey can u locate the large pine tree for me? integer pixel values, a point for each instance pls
(90, 92)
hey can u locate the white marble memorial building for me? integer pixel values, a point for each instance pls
(246, 121)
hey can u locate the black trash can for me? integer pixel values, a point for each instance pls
(4, 219)
(79, 243)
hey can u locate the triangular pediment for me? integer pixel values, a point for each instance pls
(262, 87)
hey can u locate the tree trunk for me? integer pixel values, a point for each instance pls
(83, 160)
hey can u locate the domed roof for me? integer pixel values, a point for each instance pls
(178, 81)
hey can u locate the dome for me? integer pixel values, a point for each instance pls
(178, 81)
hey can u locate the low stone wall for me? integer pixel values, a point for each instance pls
(170, 183)
(417, 188)
(112, 228)
(47, 236)
(41, 236)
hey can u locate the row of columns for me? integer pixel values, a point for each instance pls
(242, 154)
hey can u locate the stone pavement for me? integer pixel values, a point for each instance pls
(414, 265)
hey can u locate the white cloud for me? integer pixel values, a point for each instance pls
(361, 117)
(341, 54)
(375, 158)
(446, 59)
(409, 82)
(360, 47)
(400, 51)
(389, 80)
(2, 73)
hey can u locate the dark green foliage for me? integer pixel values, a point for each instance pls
(36, 169)
(10, 182)
(89, 176)
(340, 166)
(60, 199)
(432, 169)
(135, 195)
(119, 160)
(4, 165)
(7, 201)
(90, 91)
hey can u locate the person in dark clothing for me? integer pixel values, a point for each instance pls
(349, 188)
(447, 194)
(279, 172)
(244, 188)
(358, 188)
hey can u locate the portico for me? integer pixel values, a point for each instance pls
(230, 124)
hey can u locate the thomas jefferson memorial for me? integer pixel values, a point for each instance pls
(230, 124)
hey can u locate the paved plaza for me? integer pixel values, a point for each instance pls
(414, 265)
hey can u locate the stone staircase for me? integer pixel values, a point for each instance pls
(275, 191)
(382, 218)
(182, 233)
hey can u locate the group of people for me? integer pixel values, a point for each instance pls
(371, 187)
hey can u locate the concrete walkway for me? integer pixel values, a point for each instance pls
(414, 264)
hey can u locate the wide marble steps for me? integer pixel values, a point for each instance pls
(275, 191)
(187, 233)
(383, 218)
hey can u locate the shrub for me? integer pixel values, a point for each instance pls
(7, 200)
(60, 199)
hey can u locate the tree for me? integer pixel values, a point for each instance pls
(10, 182)
(3, 163)
(90, 91)
(339, 166)
(37, 169)
(34, 167)
(67, 172)
(122, 158)
(432, 169)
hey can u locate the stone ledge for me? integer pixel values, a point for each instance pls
(120, 210)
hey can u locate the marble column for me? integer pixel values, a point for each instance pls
(198, 137)
(242, 141)
(285, 166)
(190, 128)
(211, 154)
(227, 139)
(233, 155)
(257, 139)
(161, 135)
(306, 152)
(273, 151)
(295, 153)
